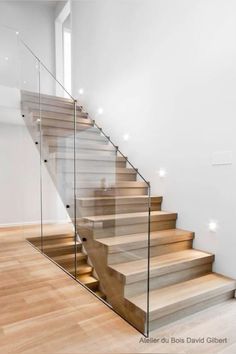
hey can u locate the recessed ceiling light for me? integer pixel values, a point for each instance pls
(81, 91)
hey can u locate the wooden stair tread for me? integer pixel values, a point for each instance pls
(88, 280)
(100, 294)
(159, 265)
(71, 256)
(58, 245)
(175, 297)
(118, 243)
(158, 214)
(82, 269)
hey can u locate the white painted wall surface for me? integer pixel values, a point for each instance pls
(35, 22)
(20, 181)
(164, 71)
(20, 171)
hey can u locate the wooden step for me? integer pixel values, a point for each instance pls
(131, 272)
(48, 106)
(81, 269)
(140, 240)
(129, 218)
(127, 248)
(100, 294)
(116, 205)
(98, 227)
(165, 270)
(80, 156)
(70, 258)
(60, 248)
(62, 145)
(51, 238)
(60, 116)
(35, 95)
(81, 125)
(175, 301)
(64, 163)
(83, 133)
(69, 139)
(50, 118)
(88, 280)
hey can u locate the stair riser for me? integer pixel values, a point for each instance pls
(83, 151)
(71, 262)
(63, 165)
(115, 209)
(117, 192)
(83, 133)
(67, 104)
(202, 305)
(59, 251)
(142, 253)
(60, 124)
(81, 130)
(110, 179)
(60, 116)
(91, 286)
(51, 108)
(50, 239)
(69, 141)
(157, 282)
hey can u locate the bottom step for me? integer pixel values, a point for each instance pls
(176, 301)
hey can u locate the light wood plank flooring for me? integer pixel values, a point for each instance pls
(43, 310)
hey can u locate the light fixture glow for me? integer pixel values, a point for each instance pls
(24, 82)
(126, 137)
(213, 226)
(162, 173)
(81, 91)
(38, 120)
(17, 33)
(6, 58)
(100, 110)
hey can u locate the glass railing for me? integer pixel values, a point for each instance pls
(94, 204)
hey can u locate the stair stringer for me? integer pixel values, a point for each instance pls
(112, 287)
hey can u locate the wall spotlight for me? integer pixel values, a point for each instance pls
(213, 226)
(126, 137)
(100, 110)
(162, 173)
(81, 91)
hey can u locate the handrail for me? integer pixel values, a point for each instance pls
(95, 124)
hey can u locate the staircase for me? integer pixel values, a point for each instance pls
(112, 224)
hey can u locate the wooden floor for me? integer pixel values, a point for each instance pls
(43, 310)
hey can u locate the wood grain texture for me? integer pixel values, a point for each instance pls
(45, 311)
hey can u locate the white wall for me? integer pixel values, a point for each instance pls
(20, 181)
(35, 22)
(19, 159)
(165, 72)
